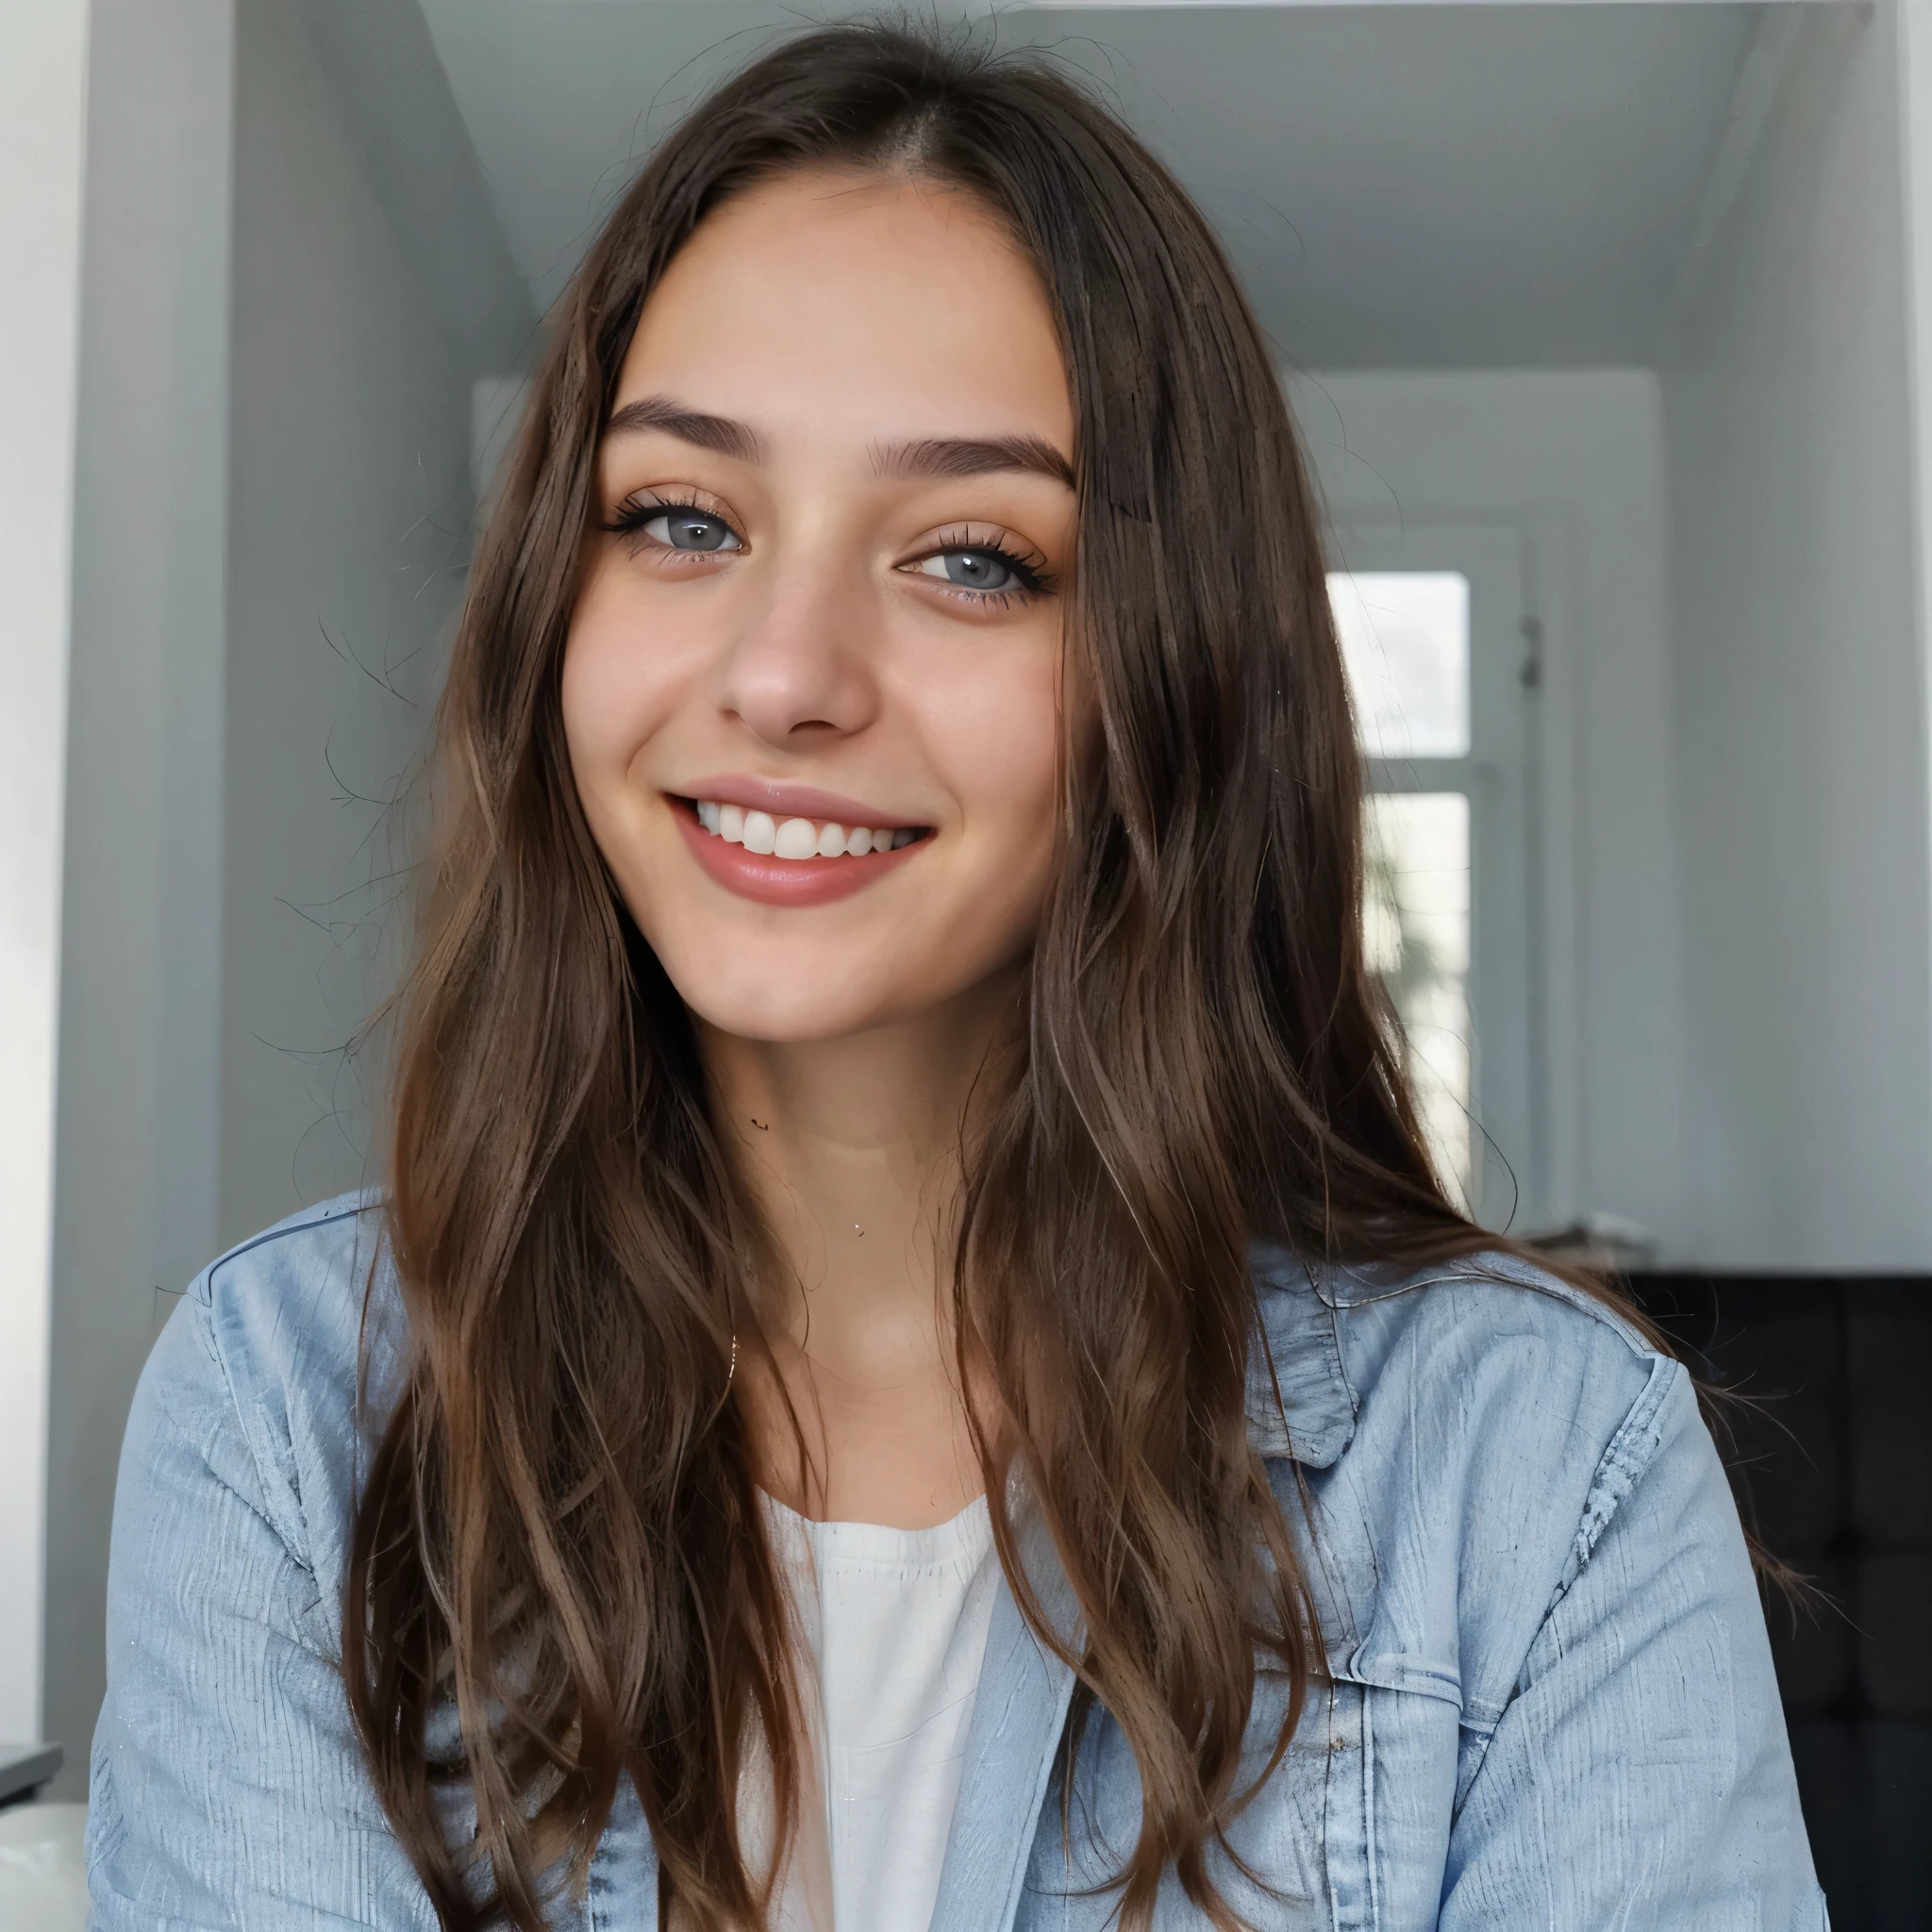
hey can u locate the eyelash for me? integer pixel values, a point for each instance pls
(1034, 578)
(634, 512)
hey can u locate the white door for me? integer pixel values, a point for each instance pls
(1445, 673)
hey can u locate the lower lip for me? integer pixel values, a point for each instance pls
(785, 882)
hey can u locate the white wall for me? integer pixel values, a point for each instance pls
(1575, 458)
(350, 522)
(138, 1137)
(1799, 699)
(43, 95)
(272, 511)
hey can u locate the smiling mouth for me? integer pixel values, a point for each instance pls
(786, 859)
(765, 835)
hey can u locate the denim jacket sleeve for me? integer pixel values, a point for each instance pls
(1639, 1775)
(228, 1788)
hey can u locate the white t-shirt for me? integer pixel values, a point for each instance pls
(895, 1620)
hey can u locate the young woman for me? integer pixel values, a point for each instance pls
(910, 1368)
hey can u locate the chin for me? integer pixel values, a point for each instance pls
(805, 1024)
(786, 1005)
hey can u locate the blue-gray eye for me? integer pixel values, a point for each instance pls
(691, 529)
(973, 569)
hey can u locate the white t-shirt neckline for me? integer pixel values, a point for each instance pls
(895, 1624)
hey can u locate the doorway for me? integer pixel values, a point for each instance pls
(1445, 672)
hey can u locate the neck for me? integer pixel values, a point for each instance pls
(851, 1150)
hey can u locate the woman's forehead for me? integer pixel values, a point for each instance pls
(855, 308)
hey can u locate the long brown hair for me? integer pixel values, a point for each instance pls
(559, 1534)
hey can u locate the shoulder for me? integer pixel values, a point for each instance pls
(281, 1350)
(288, 1304)
(1488, 1345)
(1466, 1434)
(225, 1694)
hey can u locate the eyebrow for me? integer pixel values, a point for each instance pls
(933, 455)
(954, 455)
(721, 434)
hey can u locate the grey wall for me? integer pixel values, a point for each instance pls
(137, 1131)
(271, 514)
(1798, 702)
(349, 524)
(42, 161)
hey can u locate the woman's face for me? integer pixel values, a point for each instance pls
(824, 615)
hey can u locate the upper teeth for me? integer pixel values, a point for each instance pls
(758, 831)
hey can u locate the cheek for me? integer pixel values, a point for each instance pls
(615, 694)
(997, 739)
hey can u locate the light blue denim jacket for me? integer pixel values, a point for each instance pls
(1550, 1701)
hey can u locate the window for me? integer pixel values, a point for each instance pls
(1404, 642)
(1406, 645)
(1416, 909)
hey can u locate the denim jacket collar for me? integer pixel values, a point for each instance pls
(1313, 1419)
(1018, 1718)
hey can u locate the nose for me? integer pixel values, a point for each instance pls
(799, 669)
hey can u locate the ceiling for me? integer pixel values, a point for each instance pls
(1398, 186)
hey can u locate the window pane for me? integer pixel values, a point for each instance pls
(1416, 909)
(1404, 642)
